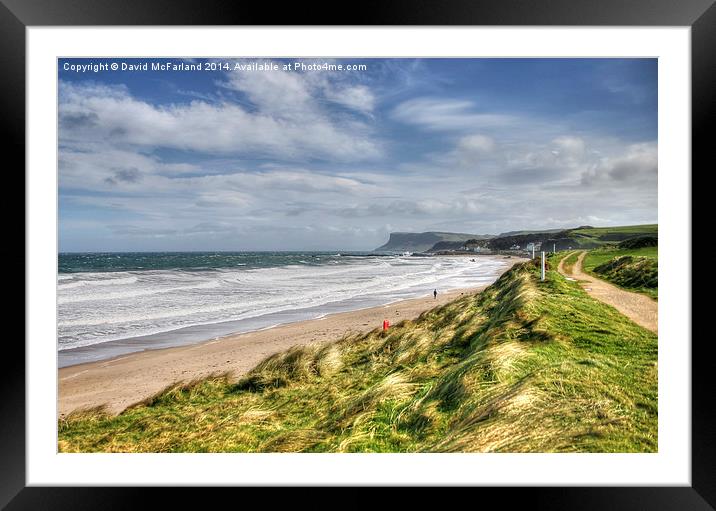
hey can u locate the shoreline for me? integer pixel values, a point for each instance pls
(142, 346)
(121, 381)
(143, 335)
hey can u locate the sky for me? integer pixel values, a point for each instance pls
(230, 156)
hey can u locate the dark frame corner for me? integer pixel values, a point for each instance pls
(700, 15)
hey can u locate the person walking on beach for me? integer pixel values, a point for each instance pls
(435, 294)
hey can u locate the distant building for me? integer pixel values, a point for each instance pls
(535, 245)
(515, 247)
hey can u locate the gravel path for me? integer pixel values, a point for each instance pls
(639, 308)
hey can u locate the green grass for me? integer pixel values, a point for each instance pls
(525, 366)
(632, 269)
(598, 257)
(627, 231)
(603, 236)
(569, 261)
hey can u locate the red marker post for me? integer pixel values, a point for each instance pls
(386, 325)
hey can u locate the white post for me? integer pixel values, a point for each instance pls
(533, 250)
(554, 248)
(542, 276)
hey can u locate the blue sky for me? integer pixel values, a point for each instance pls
(233, 159)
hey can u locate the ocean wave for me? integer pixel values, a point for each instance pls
(99, 296)
(100, 307)
(122, 281)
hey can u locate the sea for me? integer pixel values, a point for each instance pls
(110, 304)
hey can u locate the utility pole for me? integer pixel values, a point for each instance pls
(542, 275)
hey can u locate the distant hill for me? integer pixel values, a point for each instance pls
(422, 241)
(560, 239)
(518, 233)
(602, 235)
(448, 245)
(566, 239)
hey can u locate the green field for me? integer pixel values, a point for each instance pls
(612, 234)
(598, 257)
(640, 273)
(598, 237)
(526, 366)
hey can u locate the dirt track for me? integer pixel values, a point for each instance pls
(639, 308)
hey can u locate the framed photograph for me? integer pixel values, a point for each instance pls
(420, 249)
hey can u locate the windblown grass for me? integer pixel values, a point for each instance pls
(525, 366)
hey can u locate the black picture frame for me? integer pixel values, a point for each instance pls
(700, 15)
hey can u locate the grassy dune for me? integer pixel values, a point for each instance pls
(524, 366)
(635, 269)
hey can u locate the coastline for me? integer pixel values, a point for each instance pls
(119, 382)
(171, 309)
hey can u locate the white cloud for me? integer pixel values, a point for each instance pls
(569, 147)
(415, 207)
(448, 115)
(636, 166)
(97, 168)
(479, 144)
(472, 151)
(358, 98)
(289, 128)
(269, 182)
(290, 94)
(282, 95)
